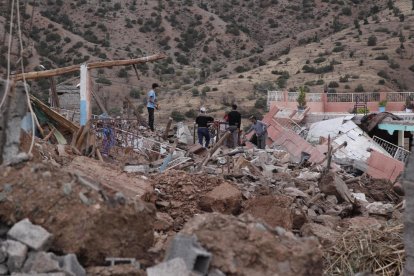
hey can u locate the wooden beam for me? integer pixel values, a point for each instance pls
(91, 65)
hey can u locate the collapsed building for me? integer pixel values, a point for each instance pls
(108, 197)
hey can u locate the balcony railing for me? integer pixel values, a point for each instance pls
(395, 151)
(399, 96)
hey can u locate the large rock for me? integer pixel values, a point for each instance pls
(326, 235)
(243, 246)
(331, 184)
(70, 265)
(17, 253)
(275, 210)
(34, 236)
(379, 208)
(41, 262)
(225, 199)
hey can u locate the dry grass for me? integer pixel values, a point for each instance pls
(380, 251)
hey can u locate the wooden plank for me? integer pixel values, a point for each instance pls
(62, 121)
(91, 65)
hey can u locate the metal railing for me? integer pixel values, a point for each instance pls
(399, 96)
(395, 151)
(353, 97)
(310, 97)
(288, 123)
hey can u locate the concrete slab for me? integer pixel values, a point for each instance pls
(34, 236)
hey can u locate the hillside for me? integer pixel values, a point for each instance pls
(219, 51)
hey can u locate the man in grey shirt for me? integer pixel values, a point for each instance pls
(260, 129)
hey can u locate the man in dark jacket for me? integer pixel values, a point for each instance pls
(234, 118)
(203, 122)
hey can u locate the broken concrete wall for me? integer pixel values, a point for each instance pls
(11, 115)
(381, 166)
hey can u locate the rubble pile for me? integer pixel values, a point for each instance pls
(155, 204)
(91, 223)
(244, 246)
(179, 196)
(23, 249)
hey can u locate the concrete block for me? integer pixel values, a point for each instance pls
(70, 265)
(16, 253)
(136, 169)
(41, 262)
(34, 236)
(3, 253)
(173, 267)
(196, 258)
(3, 269)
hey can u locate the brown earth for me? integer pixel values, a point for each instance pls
(111, 176)
(180, 194)
(50, 197)
(243, 246)
(225, 199)
(275, 210)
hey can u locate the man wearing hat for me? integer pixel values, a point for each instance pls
(203, 122)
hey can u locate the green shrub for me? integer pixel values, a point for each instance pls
(206, 89)
(344, 78)
(359, 88)
(333, 84)
(260, 103)
(177, 116)
(319, 60)
(372, 40)
(134, 93)
(195, 92)
(192, 113)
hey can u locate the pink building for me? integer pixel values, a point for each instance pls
(340, 102)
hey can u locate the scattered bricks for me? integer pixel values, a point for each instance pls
(41, 262)
(225, 199)
(70, 265)
(325, 235)
(3, 269)
(16, 253)
(184, 246)
(34, 236)
(173, 267)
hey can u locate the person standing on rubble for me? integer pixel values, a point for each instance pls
(152, 105)
(234, 119)
(260, 129)
(203, 122)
